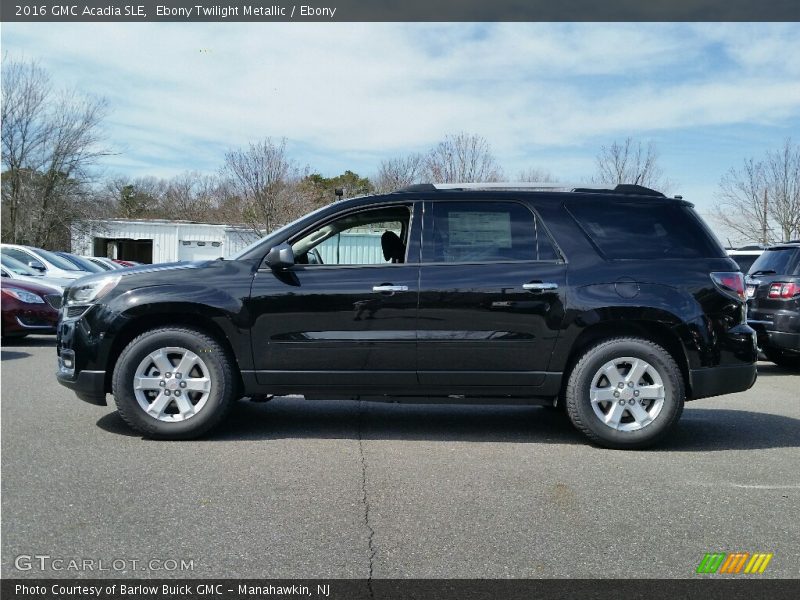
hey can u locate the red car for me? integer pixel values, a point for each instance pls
(126, 263)
(29, 308)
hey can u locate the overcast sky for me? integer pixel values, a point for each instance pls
(347, 95)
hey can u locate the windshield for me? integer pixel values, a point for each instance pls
(56, 260)
(781, 261)
(12, 264)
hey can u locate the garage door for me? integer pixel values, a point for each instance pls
(196, 250)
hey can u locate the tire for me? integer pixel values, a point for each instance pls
(181, 405)
(783, 359)
(636, 415)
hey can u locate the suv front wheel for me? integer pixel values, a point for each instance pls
(173, 383)
(625, 393)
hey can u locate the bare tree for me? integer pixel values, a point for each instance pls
(265, 180)
(464, 158)
(397, 173)
(742, 205)
(760, 202)
(782, 175)
(50, 140)
(534, 175)
(630, 162)
(190, 195)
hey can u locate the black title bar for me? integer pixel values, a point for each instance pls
(705, 588)
(134, 11)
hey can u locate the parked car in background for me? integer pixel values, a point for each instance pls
(12, 269)
(617, 304)
(81, 262)
(44, 261)
(104, 263)
(746, 256)
(773, 305)
(126, 263)
(29, 308)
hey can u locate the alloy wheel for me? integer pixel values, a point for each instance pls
(627, 393)
(172, 384)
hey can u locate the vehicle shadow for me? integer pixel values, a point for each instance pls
(31, 341)
(768, 369)
(700, 429)
(12, 355)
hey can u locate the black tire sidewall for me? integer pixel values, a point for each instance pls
(579, 404)
(215, 360)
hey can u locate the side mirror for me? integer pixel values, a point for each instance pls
(280, 257)
(36, 265)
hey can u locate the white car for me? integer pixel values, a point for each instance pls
(105, 263)
(47, 263)
(12, 269)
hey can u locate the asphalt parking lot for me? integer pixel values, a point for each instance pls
(345, 489)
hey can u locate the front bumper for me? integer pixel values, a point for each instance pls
(716, 381)
(78, 366)
(89, 386)
(26, 319)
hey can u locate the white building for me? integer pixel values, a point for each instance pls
(159, 241)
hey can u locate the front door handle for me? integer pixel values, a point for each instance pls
(540, 286)
(389, 288)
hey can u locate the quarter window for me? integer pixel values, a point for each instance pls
(486, 232)
(645, 231)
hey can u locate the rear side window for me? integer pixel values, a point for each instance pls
(781, 261)
(485, 232)
(641, 231)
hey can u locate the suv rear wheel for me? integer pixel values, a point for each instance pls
(625, 393)
(173, 383)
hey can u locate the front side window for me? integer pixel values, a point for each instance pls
(23, 257)
(485, 232)
(370, 237)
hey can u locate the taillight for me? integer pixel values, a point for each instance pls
(783, 290)
(730, 283)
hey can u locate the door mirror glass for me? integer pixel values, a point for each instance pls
(280, 257)
(36, 265)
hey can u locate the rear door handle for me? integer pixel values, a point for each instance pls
(540, 286)
(389, 288)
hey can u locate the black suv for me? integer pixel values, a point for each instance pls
(773, 292)
(618, 305)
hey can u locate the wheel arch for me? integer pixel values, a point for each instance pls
(655, 331)
(181, 315)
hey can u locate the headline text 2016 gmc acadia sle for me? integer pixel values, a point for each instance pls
(618, 305)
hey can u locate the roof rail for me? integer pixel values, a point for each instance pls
(535, 186)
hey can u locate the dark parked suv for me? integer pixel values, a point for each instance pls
(617, 304)
(773, 292)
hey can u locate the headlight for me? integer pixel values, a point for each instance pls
(86, 293)
(23, 296)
